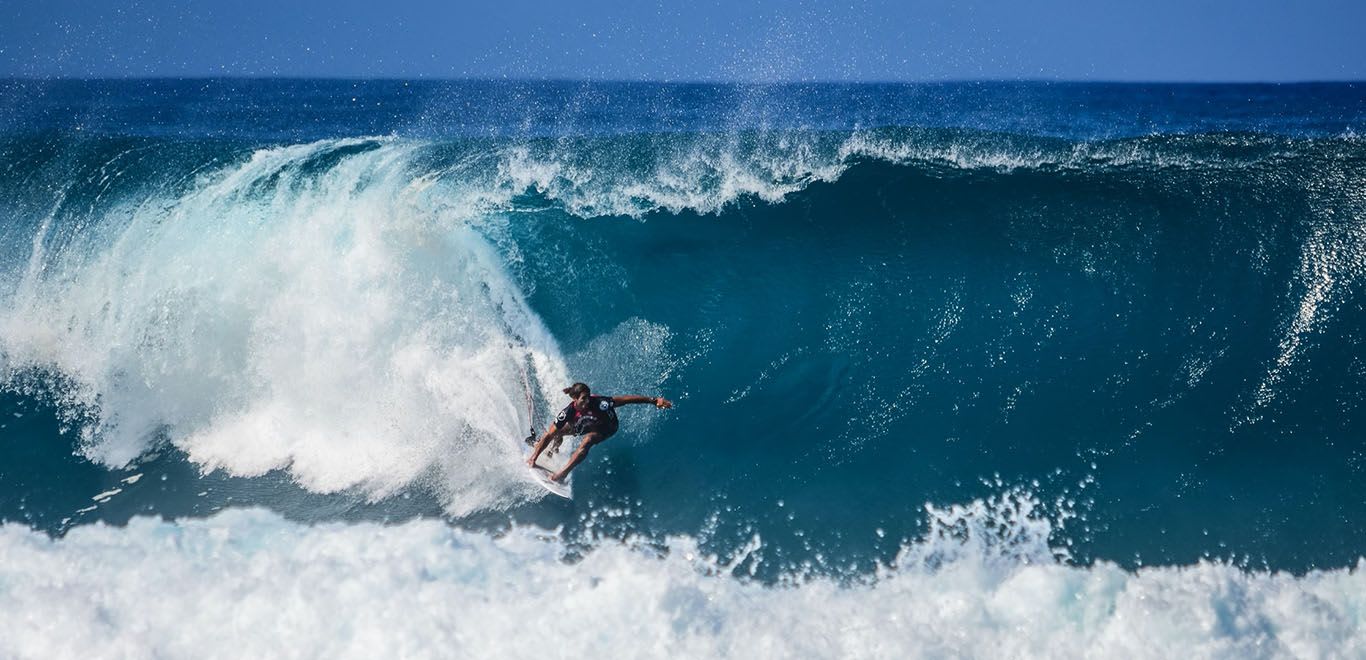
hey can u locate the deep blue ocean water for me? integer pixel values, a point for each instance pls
(902, 325)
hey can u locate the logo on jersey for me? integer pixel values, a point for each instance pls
(605, 405)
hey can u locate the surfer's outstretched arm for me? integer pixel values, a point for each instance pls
(659, 401)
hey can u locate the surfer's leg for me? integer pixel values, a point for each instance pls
(589, 439)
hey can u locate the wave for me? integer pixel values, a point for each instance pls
(982, 582)
(360, 312)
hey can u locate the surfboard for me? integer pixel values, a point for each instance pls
(542, 477)
(548, 465)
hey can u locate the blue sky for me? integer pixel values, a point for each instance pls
(743, 40)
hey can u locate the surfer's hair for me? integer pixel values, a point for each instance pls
(576, 389)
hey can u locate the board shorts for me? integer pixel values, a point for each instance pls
(606, 430)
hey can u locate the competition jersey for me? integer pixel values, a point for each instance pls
(600, 415)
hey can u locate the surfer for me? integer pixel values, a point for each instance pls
(593, 417)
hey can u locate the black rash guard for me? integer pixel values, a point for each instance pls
(600, 417)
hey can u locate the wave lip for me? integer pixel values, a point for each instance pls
(423, 588)
(706, 173)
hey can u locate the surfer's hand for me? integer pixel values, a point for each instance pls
(662, 403)
(531, 462)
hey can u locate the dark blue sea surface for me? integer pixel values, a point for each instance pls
(1140, 309)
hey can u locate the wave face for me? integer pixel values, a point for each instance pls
(1135, 312)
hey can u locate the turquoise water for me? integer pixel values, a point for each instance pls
(1130, 314)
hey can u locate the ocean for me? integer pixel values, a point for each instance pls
(959, 369)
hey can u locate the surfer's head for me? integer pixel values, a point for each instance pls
(580, 393)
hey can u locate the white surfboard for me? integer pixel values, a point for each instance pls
(548, 465)
(542, 478)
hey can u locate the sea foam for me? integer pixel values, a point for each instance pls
(247, 583)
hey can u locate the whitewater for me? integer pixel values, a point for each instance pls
(246, 583)
(994, 370)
